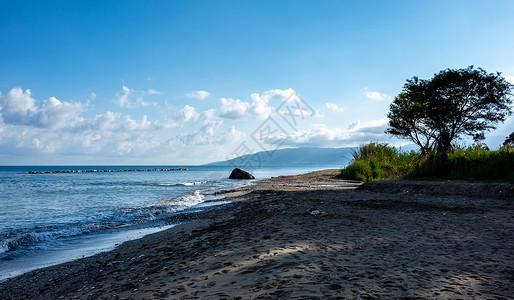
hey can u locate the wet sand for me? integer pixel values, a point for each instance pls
(309, 236)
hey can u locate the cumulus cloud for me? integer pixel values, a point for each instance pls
(61, 128)
(19, 108)
(333, 107)
(510, 79)
(187, 113)
(200, 95)
(234, 109)
(105, 135)
(373, 95)
(208, 116)
(259, 108)
(209, 134)
(322, 136)
(106, 121)
(54, 126)
(141, 125)
(130, 98)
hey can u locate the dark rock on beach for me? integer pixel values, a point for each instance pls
(240, 174)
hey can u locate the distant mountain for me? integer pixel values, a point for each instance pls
(339, 157)
(305, 156)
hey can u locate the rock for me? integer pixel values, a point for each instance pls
(240, 174)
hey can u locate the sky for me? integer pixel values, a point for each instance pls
(192, 82)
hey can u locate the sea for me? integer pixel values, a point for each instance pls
(51, 218)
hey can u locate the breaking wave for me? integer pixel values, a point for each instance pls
(176, 184)
(120, 217)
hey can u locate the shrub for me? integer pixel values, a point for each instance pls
(376, 161)
(472, 163)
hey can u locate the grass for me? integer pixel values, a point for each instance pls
(470, 163)
(377, 161)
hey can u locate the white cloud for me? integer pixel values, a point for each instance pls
(234, 109)
(373, 95)
(322, 136)
(105, 135)
(153, 92)
(209, 134)
(187, 113)
(130, 98)
(141, 125)
(259, 108)
(57, 129)
(106, 121)
(19, 108)
(200, 95)
(63, 129)
(510, 79)
(354, 124)
(333, 107)
(54, 126)
(208, 116)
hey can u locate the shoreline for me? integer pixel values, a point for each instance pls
(270, 242)
(103, 241)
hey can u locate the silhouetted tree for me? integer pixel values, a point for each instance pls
(509, 141)
(432, 113)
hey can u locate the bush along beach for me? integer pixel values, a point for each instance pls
(377, 161)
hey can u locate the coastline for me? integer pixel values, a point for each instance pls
(270, 242)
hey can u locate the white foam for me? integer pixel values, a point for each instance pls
(193, 183)
(73, 249)
(3, 248)
(177, 184)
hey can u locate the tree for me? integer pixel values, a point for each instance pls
(509, 141)
(432, 113)
(407, 117)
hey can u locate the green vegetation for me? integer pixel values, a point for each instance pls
(472, 163)
(376, 161)
(509, 141)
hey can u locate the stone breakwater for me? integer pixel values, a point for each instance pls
(106, 171)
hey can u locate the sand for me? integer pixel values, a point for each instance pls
(307, 237)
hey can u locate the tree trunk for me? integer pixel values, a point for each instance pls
(443, 145)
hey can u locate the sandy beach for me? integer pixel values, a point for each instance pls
(307, 237)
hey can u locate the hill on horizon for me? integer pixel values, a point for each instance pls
(303, 156)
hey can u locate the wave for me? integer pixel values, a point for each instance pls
(120, 217)
(169, 205)
(176, 184)
(23, 238)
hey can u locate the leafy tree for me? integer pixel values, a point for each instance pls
(407, 116)
(432, 113)
(509, 141)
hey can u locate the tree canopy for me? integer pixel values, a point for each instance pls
(509, 141)
(432, 113)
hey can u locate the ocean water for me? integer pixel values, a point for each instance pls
(47, 219)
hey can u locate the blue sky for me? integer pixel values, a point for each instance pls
(188, 82)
